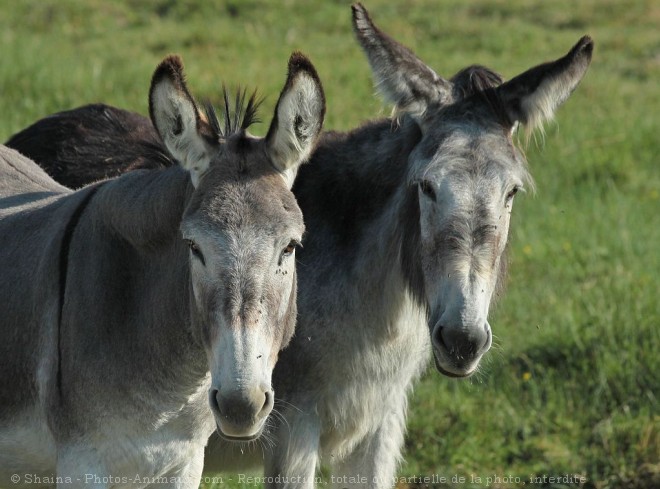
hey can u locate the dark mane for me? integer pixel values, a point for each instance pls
(237, 118)
(83, 145)
(475, 79)
(479, 82)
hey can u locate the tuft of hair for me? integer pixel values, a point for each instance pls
(236, 118)
(534, 127)
(474, 79)
(481, 83)
(171, 67)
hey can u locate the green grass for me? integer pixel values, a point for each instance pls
(571, 386)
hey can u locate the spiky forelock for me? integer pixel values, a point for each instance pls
(237, 118)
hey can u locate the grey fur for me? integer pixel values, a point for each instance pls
(115, 337)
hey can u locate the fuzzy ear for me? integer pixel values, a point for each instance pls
(400, 76)
(532, 97)
(175, 116)
(298, 118)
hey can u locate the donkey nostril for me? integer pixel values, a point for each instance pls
(438, 339)
(267, 402)
(488, 334)
(213, 400)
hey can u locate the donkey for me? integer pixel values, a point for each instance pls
(53, 142)
(140, 314)
(407, 222)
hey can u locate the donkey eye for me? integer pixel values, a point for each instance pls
(290, 248)
(194, 249)
(512, 192)
(427, 189)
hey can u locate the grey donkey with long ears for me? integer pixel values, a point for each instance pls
(404, 252)
(140, 314)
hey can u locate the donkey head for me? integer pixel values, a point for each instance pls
(462, 178)
(241, 225)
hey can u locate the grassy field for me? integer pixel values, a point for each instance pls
(572, 386)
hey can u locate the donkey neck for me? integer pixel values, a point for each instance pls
(145, 207)
(128, 270)
(356, 201)
(139, 217)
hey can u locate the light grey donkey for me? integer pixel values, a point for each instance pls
(137, 315)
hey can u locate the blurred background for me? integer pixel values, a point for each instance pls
(571, 386)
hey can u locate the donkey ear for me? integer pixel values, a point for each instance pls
(175, 116)
(400, 76)
(532, 97)
(298, 118)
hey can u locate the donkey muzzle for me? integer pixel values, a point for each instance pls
(458, 350)
(241, 415)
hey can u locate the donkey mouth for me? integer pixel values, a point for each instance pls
(453, 375)
(239, 439)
